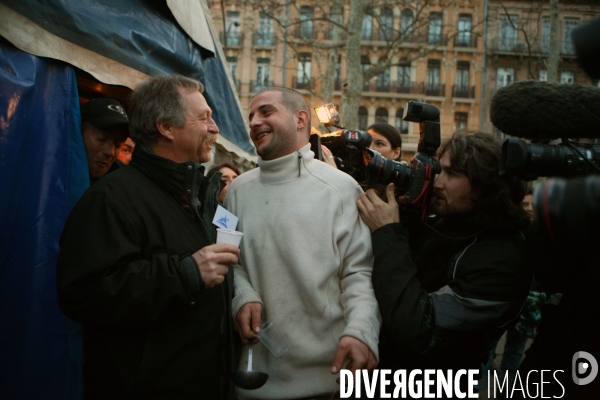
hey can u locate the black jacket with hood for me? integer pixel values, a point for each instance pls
(446, 290)
(150, 327)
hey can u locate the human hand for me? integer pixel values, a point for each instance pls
(328, 156)
(214, 261)
(361, 357)
(375, 212)
(247, 317)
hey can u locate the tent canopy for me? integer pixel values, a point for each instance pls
(121, 42)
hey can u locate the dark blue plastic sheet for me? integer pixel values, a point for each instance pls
(43, 172)
(145, 36)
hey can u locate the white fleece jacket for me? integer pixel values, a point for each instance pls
(306, 256)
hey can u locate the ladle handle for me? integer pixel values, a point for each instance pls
(250, 357)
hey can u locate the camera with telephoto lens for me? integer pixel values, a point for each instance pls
(352, 155)
(528, 161)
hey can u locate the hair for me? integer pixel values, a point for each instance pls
(218, 167)
(496, 199)
(292, 100)
(158, 100)
(392, 134)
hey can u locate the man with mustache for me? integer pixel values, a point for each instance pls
(138, 267)
(448, 286)
(306, 258)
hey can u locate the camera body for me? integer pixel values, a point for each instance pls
(347, 149)
(415, 180)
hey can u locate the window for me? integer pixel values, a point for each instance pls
(433, 78)
(232, 62)
(460, 120)
(569, 26)
(508, 33)
(461, 89)
(262, 73)
(383, 81)
(403, 79)
(567, 77)
(401, 124)
(306, 22)
(232, 28)
(381, 115)
(363, 116)
(543, 75)
(265, 31)
(367, 27)
(505, 76)
(386, 24)
(463, 38)
(435, 28)
(545, 36)
(407, 20)
(365, 64)
(304, 66)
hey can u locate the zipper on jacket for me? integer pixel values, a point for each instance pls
(299, 161)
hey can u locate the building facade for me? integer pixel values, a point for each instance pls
(438, 57)
(452, 54)
(518, 44)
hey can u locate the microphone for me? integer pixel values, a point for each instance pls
(542, 110)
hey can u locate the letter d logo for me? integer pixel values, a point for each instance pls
(590, 365)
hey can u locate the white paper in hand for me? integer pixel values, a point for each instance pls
(224, 219)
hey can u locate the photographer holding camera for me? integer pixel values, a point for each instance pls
(448, 286)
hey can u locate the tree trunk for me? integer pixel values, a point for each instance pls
(554, 47)
(328, 80)
(352, 91)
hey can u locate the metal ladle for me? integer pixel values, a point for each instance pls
(249, 379)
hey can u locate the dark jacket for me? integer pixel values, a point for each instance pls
(150, 328)
(446, 294)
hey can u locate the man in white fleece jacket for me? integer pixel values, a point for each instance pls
(306, 257)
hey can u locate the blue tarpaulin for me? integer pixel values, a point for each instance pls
(144, 36)
(43, 171)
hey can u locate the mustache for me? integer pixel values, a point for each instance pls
(210, 139)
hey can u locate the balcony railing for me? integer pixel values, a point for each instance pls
(382, 86)
(306, 33)
(435, 90)
(394, 87)
(256, 86)
(465, 40)
(437, 39)
(463, 92)
(260, 39)
(234, 39)
(328, 34)
(303, 83)
(498, 45)
(379, 36)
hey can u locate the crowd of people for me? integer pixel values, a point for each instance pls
(351, 280)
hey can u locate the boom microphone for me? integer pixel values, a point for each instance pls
(542, 110)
